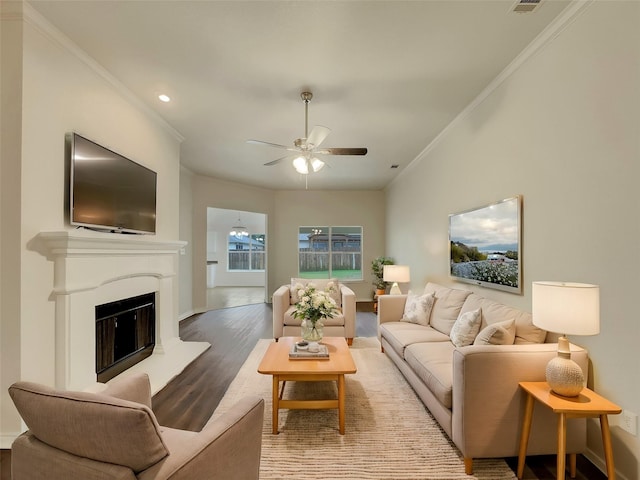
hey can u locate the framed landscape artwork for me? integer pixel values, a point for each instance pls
(485, 245)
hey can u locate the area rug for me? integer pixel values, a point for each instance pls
(389, 433)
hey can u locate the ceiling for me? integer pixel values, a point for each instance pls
(386, 75)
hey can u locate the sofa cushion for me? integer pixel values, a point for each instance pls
(417, 308)
(401, 334)
(494, 312)
(319, 283)
(95, 426)
(466, 328)
(501, 333)
(336, 320)
(433, 363)
(447, 306)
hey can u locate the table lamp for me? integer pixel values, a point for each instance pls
(568, 309)
(396, 274)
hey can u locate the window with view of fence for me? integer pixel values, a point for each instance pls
(328, 252)
(247, 253)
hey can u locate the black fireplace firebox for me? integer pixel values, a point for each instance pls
(125, 334)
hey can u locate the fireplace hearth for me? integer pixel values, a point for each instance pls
(125, 334)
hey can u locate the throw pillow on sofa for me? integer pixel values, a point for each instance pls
(417, 308)
(466, 328)
(501, 333)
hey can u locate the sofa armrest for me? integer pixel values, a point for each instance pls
(281, 302)
(488, 404)
(348, 310)
(227, 448)
(391, 308)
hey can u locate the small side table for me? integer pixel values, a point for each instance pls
(586, 404)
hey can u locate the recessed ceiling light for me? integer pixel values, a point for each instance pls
(164, 98)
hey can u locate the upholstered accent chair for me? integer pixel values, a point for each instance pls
(115, 435)
(341, 325)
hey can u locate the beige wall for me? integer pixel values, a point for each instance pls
(295, 208)
(285, 211)
(563, 131)
(63, 91)
(211, 192)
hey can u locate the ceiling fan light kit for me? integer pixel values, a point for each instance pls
(305, 149)
(305, 165)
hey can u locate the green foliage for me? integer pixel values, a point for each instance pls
(462, 253)
(511, 254)
(377, 270)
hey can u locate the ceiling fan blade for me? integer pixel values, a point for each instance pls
(317, 135)
(277, 160)
(342, 151)
(275, 145)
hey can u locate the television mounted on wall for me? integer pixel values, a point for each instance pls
(108, 191)
(485, 245)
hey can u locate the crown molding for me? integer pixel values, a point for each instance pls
(36, 20)
(555, 28)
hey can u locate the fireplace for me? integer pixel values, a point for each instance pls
(93, 270)
(125, 334)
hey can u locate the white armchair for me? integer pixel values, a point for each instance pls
(341, 325)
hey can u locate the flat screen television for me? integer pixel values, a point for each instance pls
(109, 191)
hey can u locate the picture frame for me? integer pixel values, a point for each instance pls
(485, 245)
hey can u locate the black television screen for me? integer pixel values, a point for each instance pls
(109, 191)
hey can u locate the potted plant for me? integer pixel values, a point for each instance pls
(377, 270)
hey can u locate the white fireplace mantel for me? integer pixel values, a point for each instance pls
(92, 268)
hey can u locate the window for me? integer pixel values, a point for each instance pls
(246, 253)
(326, 252)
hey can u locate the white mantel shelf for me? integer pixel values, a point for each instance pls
(80, 242)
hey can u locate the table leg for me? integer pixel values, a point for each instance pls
(572, 464)
(562, 445)
(524, 436)
(275, 406)
(608, 451)
(341, 402)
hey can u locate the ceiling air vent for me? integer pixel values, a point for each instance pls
(526, 6)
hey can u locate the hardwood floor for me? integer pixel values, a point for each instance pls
(188, 401)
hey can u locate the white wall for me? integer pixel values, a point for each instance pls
(563, 131)
(185, 262)
(63, 91)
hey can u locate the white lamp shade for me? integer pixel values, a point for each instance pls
(396, 273)
(300, 164)
(566, 308)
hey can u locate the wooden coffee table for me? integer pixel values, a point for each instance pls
(276, 362)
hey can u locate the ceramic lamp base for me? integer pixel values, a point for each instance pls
(564, 376)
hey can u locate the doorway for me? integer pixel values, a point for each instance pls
(236, 258)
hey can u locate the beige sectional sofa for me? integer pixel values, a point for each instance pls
(472, 390)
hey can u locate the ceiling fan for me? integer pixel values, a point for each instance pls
(305, 150)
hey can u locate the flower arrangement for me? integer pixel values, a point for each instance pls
(314, 304)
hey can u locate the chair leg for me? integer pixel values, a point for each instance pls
(468, 465)
(349, 341)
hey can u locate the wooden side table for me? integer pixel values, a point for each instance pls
(586, 404)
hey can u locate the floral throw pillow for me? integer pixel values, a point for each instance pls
(465, 328)
(417, 308)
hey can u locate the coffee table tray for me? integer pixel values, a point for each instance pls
(322, 354)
